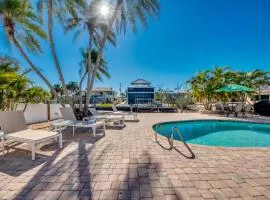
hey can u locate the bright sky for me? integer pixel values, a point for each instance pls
(190, 35)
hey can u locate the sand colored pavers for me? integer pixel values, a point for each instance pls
(129, 164)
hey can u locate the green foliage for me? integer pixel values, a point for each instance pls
(104, 105)
(205, 83)
(21, 24)
(16, 88)
(183, 101)
(161, 94)
(102, 70)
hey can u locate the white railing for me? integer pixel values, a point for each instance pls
(171, 139)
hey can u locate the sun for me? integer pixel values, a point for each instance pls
(104, 10)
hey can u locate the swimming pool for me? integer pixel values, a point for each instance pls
(220, 132)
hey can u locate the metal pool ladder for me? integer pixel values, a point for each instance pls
(171, 140)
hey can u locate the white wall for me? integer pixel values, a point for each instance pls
(38, 112)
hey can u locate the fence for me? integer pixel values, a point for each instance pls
(40, 112)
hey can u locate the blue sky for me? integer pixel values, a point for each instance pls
(190, 35)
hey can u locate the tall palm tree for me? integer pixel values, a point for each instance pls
(125, 12)
(84, 67)
(73, 88)
(58, 88)
(59, 9)
(199, 86)
(22, 26)
(91, 22)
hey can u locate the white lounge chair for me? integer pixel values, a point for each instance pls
(70, 120)
(15, 129)
(131, 113)
(116, 119)
(94, 111)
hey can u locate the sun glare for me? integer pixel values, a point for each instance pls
(104, 10)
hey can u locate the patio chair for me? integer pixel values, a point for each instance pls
(70, 120)
(15, 129)
(238, 109)
(94, 111)
(247, 109)
(131, 113)
(117, 119)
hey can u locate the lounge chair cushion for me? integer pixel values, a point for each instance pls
(32, 135)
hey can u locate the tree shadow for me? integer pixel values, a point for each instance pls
(173, 147)
(67, 171)
(148, 180)
(18, 161)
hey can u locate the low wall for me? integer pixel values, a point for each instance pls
(39, 112)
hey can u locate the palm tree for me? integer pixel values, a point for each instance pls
(102, 71)
(22, 26)
(199, 85)
(95, 26)
(15, 87)
(60, 9)
(125, 12)
(58, 88)
(73, 88)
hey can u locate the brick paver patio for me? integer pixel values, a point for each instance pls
(129, 164)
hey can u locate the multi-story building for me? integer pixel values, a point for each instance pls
(140, 92)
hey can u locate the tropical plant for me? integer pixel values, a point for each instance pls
(58, 88)
(160, 94)
(92, 22)
(183, 101)
(35, 94)
(16, 88)
(59, 10)
(101, 28)
(102, 71)
(205, 83)
(72, 88)
(125, 12)
(22, 27)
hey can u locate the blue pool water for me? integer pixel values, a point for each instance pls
(220, 133)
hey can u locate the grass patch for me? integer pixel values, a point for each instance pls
(104, 105)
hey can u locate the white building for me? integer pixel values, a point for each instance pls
(103, 95)
(263, 94)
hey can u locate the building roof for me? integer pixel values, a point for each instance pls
(102, 89)
(140, 82)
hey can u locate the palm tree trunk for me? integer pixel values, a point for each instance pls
(80, 90)
(102, 45)
(55, 58)
(35, 69)
(25, 106)
(89, 69)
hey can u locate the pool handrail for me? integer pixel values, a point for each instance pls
(179, 134)
(175, 128)
(171, 139)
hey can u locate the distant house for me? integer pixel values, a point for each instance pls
(140, 92)
(263, 94)
(103, 95)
